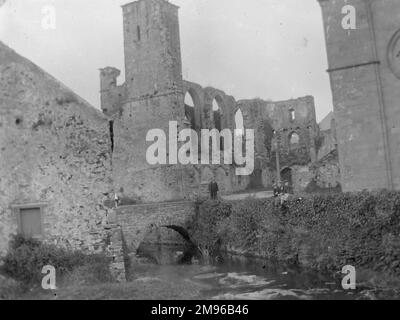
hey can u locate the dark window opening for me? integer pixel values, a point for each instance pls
(217, 113)
(112, 135)
(222, 143)
(138, 33)
(190, 116)
(18, 121)
(29, 221)
(31, 225)
(287, 178)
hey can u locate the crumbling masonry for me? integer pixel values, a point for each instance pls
(62, 160)
(154, 94)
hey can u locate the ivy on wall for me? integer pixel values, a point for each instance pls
(324, 232)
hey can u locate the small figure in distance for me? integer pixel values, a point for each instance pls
(213, 189)
(118, 197)
(275, 189)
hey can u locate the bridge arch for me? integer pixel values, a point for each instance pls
(137, 221)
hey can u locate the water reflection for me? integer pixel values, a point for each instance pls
(237, 277)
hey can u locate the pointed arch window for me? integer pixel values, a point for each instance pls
(292, 115)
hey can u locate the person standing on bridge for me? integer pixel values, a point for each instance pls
(213, 189)
(118, 197)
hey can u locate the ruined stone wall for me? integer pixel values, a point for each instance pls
(386, 23)
(265, 117)
(112, 95)
(54, 149)
(326, 143)
(154, 183)
(303, 124)
(154, 94)
(151, 99)
(365, 92)
(326, 171)
(302, 176)
(131, 170)
(255, 117)
(203, 106)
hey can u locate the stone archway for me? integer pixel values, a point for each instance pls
(239, 122)
(133, 223)
(287, 176)
(137, 221)
(196, 94)
(293, 140)
(193, 109)
(167, 244)
(216, 108)
(218, 115)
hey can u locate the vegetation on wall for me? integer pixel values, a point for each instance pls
(323, 232)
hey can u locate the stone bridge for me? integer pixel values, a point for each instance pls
(132, 224)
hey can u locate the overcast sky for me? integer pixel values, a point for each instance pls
(270, 49)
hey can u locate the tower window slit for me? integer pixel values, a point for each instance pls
(112, 135)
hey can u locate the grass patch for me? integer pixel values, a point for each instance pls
(27, 257)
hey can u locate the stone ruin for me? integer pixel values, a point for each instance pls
(62, 160)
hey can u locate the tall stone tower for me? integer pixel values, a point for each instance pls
(152, 48)
(364, 69)
(151, 97)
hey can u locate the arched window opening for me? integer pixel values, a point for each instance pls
(292, 115)
(294, 140)
(239, 123)
(287, 179)
(138, 33)
(190, 110)
(217, 115)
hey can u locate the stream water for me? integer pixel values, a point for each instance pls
(240, 278)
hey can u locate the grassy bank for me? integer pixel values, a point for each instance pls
(21, 269)
(145, 289)
(79, 276)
